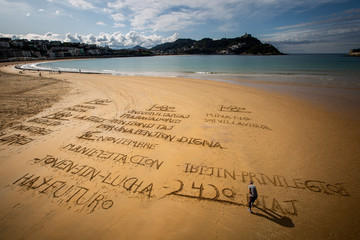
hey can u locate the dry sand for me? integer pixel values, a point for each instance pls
(25, 96)
(170, 158)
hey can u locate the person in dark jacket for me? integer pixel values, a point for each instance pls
(252, 195)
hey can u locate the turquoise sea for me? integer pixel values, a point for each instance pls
(325, 69)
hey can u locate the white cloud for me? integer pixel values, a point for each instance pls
(57, 12)
(349, 16)
(164, 15)
(330, 26)
(119, 25)
(11, 7)
(144, 19)
(119, 40)
(50, 35)
(81, 4)
(31, 36)
(161, 15)
(118, 17)
(101, 24)
(338, 29)
(114, 40)
(74, 38)
(116, 5)
(27, 14)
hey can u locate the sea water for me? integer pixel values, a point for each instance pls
(323, 69)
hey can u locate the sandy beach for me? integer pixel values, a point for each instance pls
(90, 156)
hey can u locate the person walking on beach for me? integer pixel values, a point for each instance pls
(252, 195)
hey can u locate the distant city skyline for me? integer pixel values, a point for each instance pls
(302, 26)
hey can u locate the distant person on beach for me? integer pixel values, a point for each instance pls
(252, 195)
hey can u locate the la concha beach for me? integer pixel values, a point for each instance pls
(96, 156)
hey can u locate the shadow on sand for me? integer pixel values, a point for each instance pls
(274, 217)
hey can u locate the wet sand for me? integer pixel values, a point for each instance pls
(170, 158)
(343, 100)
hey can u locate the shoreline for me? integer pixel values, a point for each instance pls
(159, 157)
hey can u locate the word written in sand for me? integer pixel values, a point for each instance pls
(139, 160)
(210, 171)
(284, 207)
(263, 179)
(65, 192)
(44, 121)
(162, 108)
(162, 136)
(99, 102)
(124, 122)
(32, 129)
(61, 116)
(142, 125)
(66, 115)
(225, 119)
(136, 131)
(80, 108)
(133, 123)
(74, 109)
(15, 139)
(233, 109)
(84, 106)
(96, 153)
(212, 193)
(159, 116)
(200, 142)
(296, 183)
(131, 184)
(90, 118)
(92, 136)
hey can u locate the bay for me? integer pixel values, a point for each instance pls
(333, 69)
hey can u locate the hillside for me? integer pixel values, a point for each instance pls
(23, 49)
(245, 45)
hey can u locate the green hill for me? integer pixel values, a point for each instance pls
(245, 45)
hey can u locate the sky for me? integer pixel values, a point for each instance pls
(293, 26)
